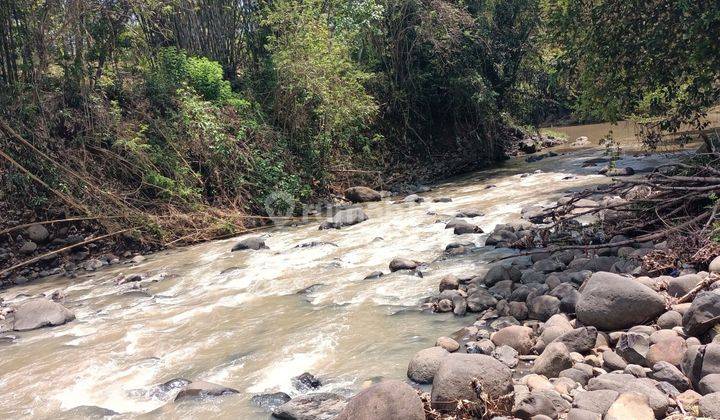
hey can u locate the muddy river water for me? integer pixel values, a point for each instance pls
(252, 320)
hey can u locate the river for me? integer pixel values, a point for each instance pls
(251, 320)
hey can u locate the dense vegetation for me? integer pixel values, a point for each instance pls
(181, 117)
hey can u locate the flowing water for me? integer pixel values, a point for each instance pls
(251, 320)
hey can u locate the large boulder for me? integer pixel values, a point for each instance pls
(386, 400)
(458, 373)
(622, 382)
(703, 313)
(250, 243)
(362, 194)
(320, 406)
(38, 313)
(611, 302)
(343, 218)
(425, 363)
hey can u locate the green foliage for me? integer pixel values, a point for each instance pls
(657, 58)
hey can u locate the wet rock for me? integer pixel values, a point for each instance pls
(37, 233)
(88, 412)
(577, 375)
(710, 406)
(709, 384)
(462, 227)
(374, 275)
(630, 406)
(666, 372)
(498, 273)
(362, 194)
(626, 171)
(518, 310)
(484, 346)
(444, 305)
(161, 391)
(448, 344)
(454, 379)
(518, 337)
(250, 243)
(390, 399)
(469, 214)
(633, 347)
(553, 360)
(306, 382)
(413, 198)
(425, 363)
(402, 264)
(507, 355)
(320, 406)
(595, 401)
(270, 401)
(202, 389)
(533, 405)
(704, 312)
(543, 307)
(449, 282)
(610, 302)
(38, 313)
(344, 218)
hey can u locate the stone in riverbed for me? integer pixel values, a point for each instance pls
(270, 401)
(28, 247)
(533, 406)
(596, 401)
(448, 344)
(622, 382)
(362, 194)
(203, 389)
(38, 313)
(507, 355)
(630, 405)
(704, 312)
(480, 300)
(402, 264)
(425, 363)
(611, 302)
(671, 349)
(457, 372)
(320, 406)
(37, 233)
(666, 372)
(714, 266)
(518, 337)
(543, 307)
(710, 406)
(250, 243)
(390, 399)
(670, 319)
(633, 347)
(553, 360)
(88, 412)
(580, 414)
(462, 228)
(580, 340)
(680, 286)
(449, 282)
(347, 217)
(709, 384)
(306, 382)
(613, 361)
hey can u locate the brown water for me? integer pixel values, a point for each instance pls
(242, 319)
(626, 132)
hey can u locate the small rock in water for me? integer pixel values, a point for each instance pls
(161, 391)
(320, 406)
(270, 401)
(250, 243)
(38, 313)
(442, 200)
(374, 275)
(344, 218)
(402, 264)
(306, 381)
(202, 389)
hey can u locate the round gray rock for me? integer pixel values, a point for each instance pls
(425, 363)
(454, 379)
(38, 313)
(611, 302)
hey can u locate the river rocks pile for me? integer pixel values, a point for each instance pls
(579, 335)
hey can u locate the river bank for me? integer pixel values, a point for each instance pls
(252, 320)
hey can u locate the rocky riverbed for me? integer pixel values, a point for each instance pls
(378, 290)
